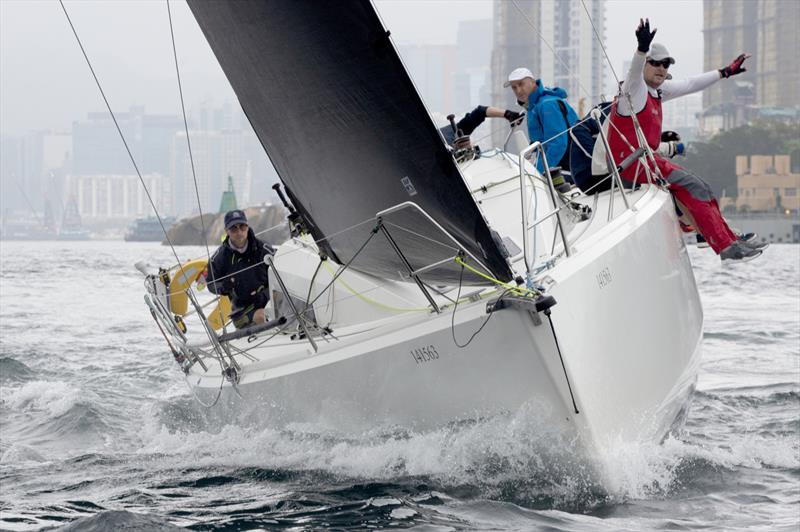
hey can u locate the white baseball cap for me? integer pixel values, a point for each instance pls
(659, 52)
(518, 74)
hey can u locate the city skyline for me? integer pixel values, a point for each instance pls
(45, 83)
(448, 54)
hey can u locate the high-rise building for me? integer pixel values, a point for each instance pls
(11, 173)
(111, 197)
(729, 28)
(557, 41)
(578, 64)
(216, 155)
(31, 168)
(767, 29)
(97, 148)
(777, 80)
(432, 68)
(515, 44)
(473, 54)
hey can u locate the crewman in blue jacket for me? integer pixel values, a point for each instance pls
(549, 118)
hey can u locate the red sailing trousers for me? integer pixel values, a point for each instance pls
(693, 195)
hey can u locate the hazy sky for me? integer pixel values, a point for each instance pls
(45, 83)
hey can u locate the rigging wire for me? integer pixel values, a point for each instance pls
(637, 127)
(600, 41)
(555, 54)
(337, 233)
(569, 70)
(419, 235)
(124, 141)
(119, 130)
(188, 141)
(346, 265)
(210, 264)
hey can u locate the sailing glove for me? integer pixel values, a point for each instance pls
(512, 116)
(644, 36)
(735, 67)
(671, 148)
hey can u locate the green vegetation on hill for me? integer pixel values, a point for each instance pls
(715, 160)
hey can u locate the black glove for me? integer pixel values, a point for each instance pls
(670, 136)
(735, 67)
(644, 36)
(512, 116)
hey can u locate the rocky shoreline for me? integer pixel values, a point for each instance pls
(189, 231)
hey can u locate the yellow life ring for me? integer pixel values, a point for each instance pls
(180, 281)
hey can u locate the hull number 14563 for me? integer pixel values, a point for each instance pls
(425, 354)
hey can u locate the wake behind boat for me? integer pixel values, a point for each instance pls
(418, 291)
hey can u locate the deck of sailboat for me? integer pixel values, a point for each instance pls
(261, 356)
(394, 367)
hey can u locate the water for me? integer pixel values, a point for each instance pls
(98, 430)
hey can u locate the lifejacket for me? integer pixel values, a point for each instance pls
(650, 119)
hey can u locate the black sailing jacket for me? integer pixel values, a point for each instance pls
(242, 276)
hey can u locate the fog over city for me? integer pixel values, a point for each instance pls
(45, 83)
(56, 130)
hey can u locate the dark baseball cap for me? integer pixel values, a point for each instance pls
(234, 217)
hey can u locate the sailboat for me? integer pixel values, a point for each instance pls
(421, 289)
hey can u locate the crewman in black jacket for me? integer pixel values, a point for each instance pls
(237, 270)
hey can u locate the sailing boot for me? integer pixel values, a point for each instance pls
(559, 182)
(751, 240)
(739, 252)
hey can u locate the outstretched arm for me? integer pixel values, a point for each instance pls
(674, 88)
(633, 93)
(475, 118)
(511, 116)
(671, 89)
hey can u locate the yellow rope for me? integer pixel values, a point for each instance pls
(372, 301)
(398, 309)
(508, 286)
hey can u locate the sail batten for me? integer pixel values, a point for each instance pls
(345, 129)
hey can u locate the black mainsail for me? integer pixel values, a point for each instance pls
(349, 136)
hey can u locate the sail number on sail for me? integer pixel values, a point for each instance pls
(425, 354)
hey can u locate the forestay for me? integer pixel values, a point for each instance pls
(336, 112)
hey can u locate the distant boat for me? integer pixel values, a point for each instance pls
(147, 229)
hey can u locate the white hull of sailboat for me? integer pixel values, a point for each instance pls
(628, 324)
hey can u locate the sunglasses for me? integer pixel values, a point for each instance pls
(238, 227)
(664, 63)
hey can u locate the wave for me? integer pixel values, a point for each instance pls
(17, 454)
(511, 458)
(52, 411)
(120, 520)
(12, 370)
(53, 397)
(763, 393)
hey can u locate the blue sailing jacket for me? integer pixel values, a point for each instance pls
(546, 119)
